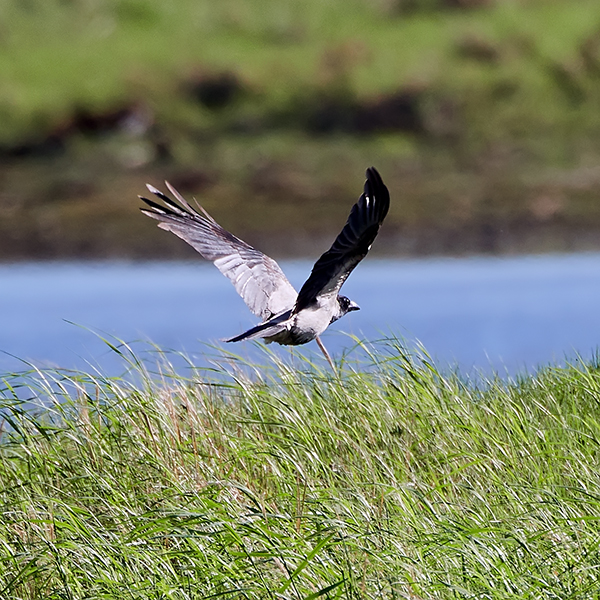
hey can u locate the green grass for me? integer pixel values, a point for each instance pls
(57, 55)
(507, 159)
(391, 480)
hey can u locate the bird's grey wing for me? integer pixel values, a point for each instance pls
(351, 245)
(257, 278)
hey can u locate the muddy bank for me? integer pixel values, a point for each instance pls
(85, 205)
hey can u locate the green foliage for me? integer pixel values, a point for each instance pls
(507, 70)
(386, 480)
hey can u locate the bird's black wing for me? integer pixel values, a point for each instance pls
(350, 246)
(257, 278)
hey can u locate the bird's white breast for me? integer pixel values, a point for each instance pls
(314, 320)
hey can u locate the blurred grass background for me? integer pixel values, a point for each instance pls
(482, 116)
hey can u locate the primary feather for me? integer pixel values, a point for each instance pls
(256, 277)
(350, 246)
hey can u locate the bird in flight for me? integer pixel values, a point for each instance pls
(287, 317)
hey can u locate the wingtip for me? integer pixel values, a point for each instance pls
(375, 180)
(153, 190)
(374, 176)
(149, 213)
(177, 195)
(375, 188)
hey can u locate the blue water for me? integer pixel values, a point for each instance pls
(505, 314)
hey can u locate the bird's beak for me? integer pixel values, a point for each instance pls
(353, 306)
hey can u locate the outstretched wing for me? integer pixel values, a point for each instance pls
(256, 277)
(350, 246)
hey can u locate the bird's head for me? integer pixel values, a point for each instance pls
(346, 305)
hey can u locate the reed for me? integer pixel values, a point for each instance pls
(280, 480)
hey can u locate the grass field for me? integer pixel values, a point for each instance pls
(483, 121)
(511, 68)
(387, 480)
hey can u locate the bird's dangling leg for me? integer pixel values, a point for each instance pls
(324, 351)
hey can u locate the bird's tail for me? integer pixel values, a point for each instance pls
(264, 330)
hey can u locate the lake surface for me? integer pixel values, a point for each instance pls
(505, 314)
